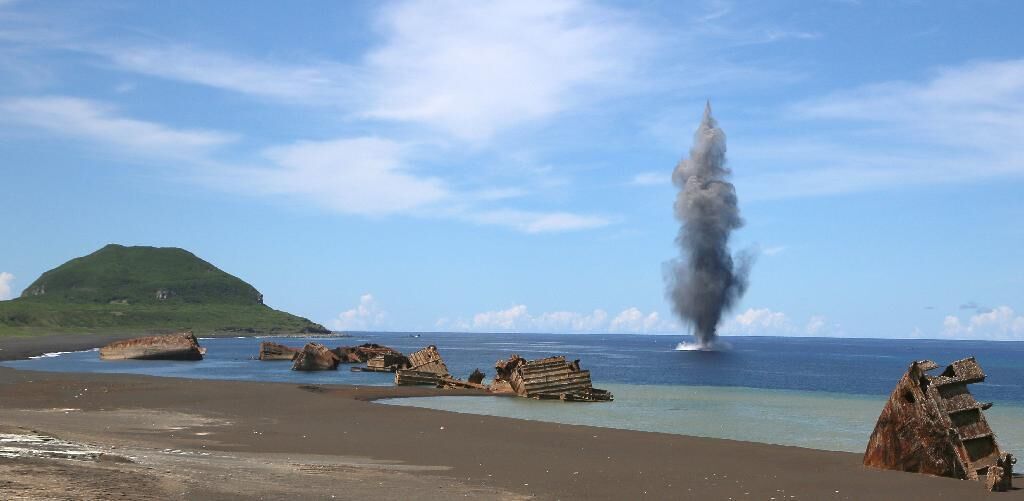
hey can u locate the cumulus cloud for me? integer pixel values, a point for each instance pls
(366, 316)
(632, 320)
(767, 322)
(1000, 323)
(519, 319)
(5, 285)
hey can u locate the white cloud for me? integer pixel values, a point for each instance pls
(815, 325)
(772, 250)
(366, 316)
(474, 68)
(536, 222)
(85, 119)
(652, 178)
(1000, 323)
(315, 83)
(368, 176)
(469, 69)
(758, 321)
(632, 320)
(358, 176)
(767, 322)
(518, 319)
(5, 285)
(963, 123)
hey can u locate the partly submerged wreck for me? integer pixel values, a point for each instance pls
(315, 357)
(933, 425)
(385, 362)
(276, 351)
(547, 378)
(426, 367)
(179, 346)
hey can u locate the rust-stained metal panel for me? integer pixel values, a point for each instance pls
(547, 378)
(428, 360)
(410, 377)
(933, 425)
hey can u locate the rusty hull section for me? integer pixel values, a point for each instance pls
(315, 357)
(933, 425)
(277, 351)
(179, 346)
(426, 367)
(547, 378)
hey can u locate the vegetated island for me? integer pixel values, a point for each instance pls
(120, 289)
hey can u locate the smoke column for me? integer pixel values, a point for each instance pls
(705, 282)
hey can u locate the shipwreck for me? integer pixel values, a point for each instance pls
(547, 378)
(276, 351)
(426, 367)
(179, 346)
(315, 357)
(933, 425)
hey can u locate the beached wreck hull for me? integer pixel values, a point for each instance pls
(315, 357)
(933, 425)
(179, 346)
(274, 351)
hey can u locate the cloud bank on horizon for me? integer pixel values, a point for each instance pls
(552, 123)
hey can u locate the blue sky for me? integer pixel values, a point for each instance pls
(431, 165)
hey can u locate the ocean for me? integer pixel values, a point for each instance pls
(809, 392)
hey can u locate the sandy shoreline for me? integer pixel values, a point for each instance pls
(203, 439)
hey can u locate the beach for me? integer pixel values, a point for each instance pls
(208, 439)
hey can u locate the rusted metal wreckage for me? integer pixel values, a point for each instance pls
(933, 425)
(546, 378)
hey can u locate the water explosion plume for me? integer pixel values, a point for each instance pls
(705, 282)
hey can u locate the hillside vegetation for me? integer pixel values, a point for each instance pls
(144, 288)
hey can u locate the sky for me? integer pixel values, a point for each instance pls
(505, 166)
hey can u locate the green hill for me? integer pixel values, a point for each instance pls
(144, 288)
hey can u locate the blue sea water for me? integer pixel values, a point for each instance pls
(810, 392)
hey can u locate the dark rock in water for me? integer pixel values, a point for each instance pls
(933, 425)
(275, 351)
(476, 377)
(180, 346)
(315, 357)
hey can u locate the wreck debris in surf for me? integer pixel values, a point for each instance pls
(933, 425)
(547, 378)
(426, 367)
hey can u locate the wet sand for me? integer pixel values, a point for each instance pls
(202, 439)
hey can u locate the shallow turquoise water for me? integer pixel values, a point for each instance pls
(816, 420)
